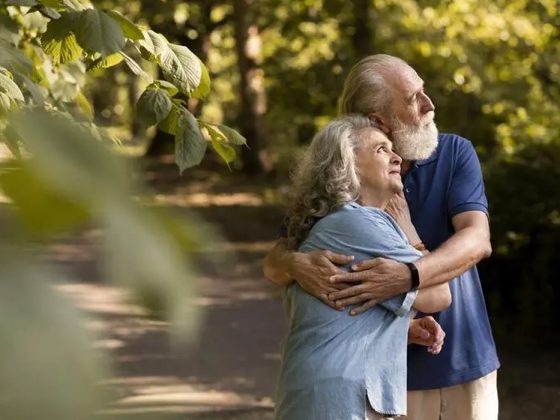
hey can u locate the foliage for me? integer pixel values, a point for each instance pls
(64, 173)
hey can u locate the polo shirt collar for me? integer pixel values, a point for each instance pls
(429, 159)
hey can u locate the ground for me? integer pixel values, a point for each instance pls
(229, 369)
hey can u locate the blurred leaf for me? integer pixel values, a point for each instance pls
(5, 103)
(12, 140)
(106, 62)
(153, 269)
(97, 32)
(52, 3)
(60, 42)
(85, 106)
(14, 59)
(190, 145)
(25, 3)
(68, 159)
(38, 92)
(42, 210)
(129, 29)
(233, 136)
(47, 11)
(48, 367)
(153, 106)
(203, 89)
(8, 86)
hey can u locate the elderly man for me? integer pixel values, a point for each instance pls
(444, 195)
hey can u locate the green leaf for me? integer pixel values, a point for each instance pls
(203, 89)
(67, 157)
(24, 3)
(60, 42)
(169, 87)
(148, 45)
(178, 64)
(8, 86)
(12, 140)
(38, 92)
(85, 105)
(135, 68)
(74, 5)
(190, 145)
(52, 3)
(43, 211)
(153, 106)
(5, 103)
(129, 29)
(169, 124)
(225, 151)
(46, 11)
(181, 67)
(233, 136)
(97, 32)
(104, 63)
(154, 269)
(14, 59)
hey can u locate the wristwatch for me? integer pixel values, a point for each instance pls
(414, 276)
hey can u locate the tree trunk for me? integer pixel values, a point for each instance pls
(251, 88)
(363, 34)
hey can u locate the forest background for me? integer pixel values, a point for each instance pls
(276, 67)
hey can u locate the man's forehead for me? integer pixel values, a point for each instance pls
(404, 78)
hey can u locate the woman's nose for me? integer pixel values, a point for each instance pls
(396, 159)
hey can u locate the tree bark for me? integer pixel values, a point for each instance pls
(363, 34)
(251, 88)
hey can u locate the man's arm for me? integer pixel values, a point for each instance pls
(382, 278)
(311, 270)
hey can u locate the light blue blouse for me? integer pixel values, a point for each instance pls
(332, 362)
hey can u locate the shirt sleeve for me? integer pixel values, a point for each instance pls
(365, 233)
(466, 190)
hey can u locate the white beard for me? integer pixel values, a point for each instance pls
(413, 142)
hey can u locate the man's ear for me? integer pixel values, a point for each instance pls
(380, 121)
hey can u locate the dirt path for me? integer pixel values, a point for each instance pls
(229, 370)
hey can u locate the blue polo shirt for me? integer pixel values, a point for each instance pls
(448, 183)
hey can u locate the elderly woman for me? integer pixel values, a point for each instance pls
(335, 366)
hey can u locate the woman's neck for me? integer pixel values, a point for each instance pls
(374, 199)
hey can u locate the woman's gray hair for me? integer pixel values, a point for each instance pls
(365, 89)
(326, 177)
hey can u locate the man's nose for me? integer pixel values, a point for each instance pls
(427, 104)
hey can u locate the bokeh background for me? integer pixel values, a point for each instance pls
(492, 69)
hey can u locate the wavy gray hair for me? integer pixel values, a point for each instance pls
(365, 89)
(326, 177)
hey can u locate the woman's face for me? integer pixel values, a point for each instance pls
(379, 168)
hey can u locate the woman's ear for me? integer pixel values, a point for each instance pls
(380, 122)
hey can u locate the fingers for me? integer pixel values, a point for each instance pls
(366, 264)
(342, 303)
(338, 259)
(362, 308)
(348, 292)
(325, 299)
(348, 277)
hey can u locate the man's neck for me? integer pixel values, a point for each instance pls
(405, 167)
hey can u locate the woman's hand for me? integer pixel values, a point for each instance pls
(398, 210)
(427, 332)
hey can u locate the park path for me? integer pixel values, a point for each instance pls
(229, 369)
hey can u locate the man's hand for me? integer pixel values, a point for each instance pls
(398, 209)
(312, 271)
(379, 279)
(427, 332)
